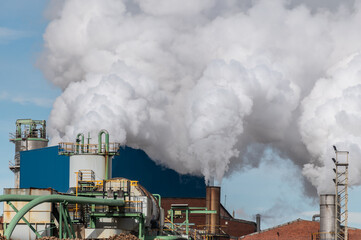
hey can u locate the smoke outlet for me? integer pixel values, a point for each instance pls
(258, 222)
(213, 195)
(327, 216)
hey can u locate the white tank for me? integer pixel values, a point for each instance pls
(86, 162)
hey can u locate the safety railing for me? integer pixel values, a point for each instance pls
(35, 133)
(77, 148)
(86, 175)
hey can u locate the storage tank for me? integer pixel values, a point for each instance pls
(327, 216)
(86, 162)
(95, 159)
(40, 217)
(30, 134)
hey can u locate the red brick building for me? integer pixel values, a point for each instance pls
(296, 230)
(231, 227)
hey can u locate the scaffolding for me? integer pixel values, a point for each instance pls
(341, 184)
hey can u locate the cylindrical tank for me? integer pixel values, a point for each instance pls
(213, 195)
(96, 163)
(327, 216)
(26, 144)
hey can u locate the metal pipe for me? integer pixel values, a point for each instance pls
(159, 199)
(258, 222)
(107, 161)
(57, 198)
(80, 141)
(60, 221)
(17, 198)
(103, 131)
(315, 216)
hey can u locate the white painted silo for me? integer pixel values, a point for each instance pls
(95, 163)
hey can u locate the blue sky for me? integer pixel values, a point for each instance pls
(270, 189)
(24, 93)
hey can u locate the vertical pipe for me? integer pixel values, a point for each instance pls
(213, 195)
(171, 216)
(103, 131)
(141, 227)
(106, 167)
(81, 141)
(60, 220)
(187, 222)
(258, 221)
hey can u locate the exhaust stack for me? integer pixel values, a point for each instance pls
(258, 222)
(213, 195)
(327, 216)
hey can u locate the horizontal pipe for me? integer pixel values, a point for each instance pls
(17, 198)
(57, 198)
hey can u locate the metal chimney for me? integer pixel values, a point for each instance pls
(213, 195)
(258, 222)
(327, 216)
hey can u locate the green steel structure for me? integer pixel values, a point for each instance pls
(91, 202)
(63, 200)
(66, 222)
(30, 134)
(184, 209)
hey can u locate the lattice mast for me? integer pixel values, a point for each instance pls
(341, 184)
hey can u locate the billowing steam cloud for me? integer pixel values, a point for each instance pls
(206, 87)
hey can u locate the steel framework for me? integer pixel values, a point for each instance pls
(341, 184)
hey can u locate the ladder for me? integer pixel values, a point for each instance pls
(341, 184)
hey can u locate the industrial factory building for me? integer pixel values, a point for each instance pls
(187, 207)
(92, 191)
(134, 164)
(229, 226)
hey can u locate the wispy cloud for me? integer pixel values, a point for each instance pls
(41, 102)
(7, 34)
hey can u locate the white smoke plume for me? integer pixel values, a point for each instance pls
(206, 87)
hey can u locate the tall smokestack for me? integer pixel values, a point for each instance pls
(327, 216)
(213, 195)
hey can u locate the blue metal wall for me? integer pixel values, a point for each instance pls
(43, 168)
(136, 165)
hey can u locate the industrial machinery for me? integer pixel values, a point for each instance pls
(95, 206)
(333, 207)
(30, 134)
